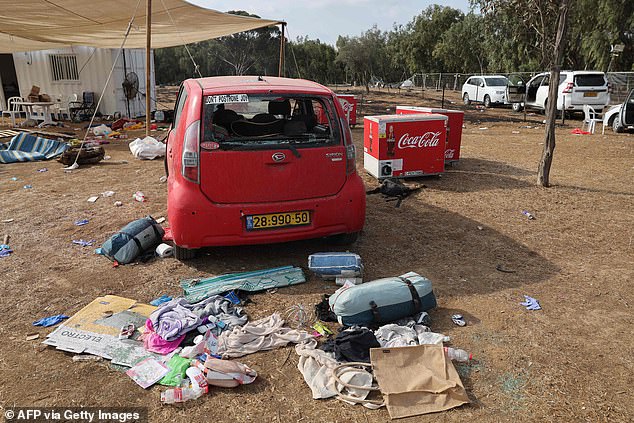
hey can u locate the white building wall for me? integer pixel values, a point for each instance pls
(33, 68)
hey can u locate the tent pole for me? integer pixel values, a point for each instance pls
(280, 71)
(148, 46)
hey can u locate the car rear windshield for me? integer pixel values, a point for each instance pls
(590, 80)
(497, 82)
(259, 120)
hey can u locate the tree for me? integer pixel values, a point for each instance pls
(364, 56)
(462, 47)
(548, 20)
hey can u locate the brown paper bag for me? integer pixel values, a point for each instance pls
(417, 380)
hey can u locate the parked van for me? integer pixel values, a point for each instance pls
(250, 162)
(575, 88)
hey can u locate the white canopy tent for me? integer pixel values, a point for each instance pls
(29, 25)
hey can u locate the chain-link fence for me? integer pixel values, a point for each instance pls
(620, 82)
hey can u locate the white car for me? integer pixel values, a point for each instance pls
(576, 88)
(621, 116)
(490, 89)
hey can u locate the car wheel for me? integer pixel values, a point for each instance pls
(616, 125)
(465, 99)
(517, 107)
(344, 239)
(487, 101)
(181, 253)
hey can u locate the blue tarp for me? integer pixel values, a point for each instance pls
(29, 148)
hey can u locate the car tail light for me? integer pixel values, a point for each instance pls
(609, 88)
(351, 155)
(191, 144)
(568, 88)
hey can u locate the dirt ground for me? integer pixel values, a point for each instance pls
(570, 362)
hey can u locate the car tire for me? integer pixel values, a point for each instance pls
(517, 107)
(181, 253)
(465, 99)
(616, 125)
(487, 101)
(344, 239)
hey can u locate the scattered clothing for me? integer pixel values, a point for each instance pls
(531, 303)
(153, 342)
(29, 148)
(393, 335)
(352, 345)
(50, 321)
(316, 366)
(323, 312)
(262, 335)
(5, 250)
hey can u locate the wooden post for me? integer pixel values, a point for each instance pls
(280, 70)
(148, 70)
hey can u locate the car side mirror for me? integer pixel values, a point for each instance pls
(482, 84)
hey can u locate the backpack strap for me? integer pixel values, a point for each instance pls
(136, 241)
(414, 293)
(375, 312)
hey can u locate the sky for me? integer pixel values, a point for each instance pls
(327, 19)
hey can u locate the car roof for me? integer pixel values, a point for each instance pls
(487, 76)
(261, 83)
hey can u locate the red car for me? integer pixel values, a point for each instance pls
(249, 162)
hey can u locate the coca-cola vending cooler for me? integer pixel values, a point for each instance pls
(404, 146)
(454, 127)
(349, 104)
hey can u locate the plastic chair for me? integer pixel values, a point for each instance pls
(84, 109)
(591, 118)
(13, 108)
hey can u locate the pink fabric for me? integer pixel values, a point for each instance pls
(154, 343)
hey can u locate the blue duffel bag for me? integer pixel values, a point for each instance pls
(132, 240)
(383, 300)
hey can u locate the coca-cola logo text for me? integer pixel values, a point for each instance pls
(428, 139)
(347, 106)
(449, 153)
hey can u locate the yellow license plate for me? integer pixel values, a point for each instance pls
(590, 94)
(277, 220)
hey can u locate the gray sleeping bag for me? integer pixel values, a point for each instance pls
(133, 239)
(383, 300)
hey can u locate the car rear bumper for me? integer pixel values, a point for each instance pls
(197, 222)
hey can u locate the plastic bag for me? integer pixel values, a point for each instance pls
(147, 148)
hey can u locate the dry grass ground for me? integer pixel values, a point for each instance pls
(570, 362)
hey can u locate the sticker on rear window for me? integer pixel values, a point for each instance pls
(227, 98)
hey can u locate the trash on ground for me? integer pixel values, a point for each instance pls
(134, 239)
(5, 250)
(28, 186)
(32, 336)
(417, 380)
(177, 366)
(89, 331)
(579, 131)
(107, 194)
(383, 300)
(480, 227)
(8, 220)
(502, 269)
(345, 280)
(528, 214)
(163, 179)
(178, 395)
(456, 354)
(81, 222)
(83, 243)
(160, 300)
(484, 128)
(87, 357)
(531, 303)
(160, 220)
(92, 199)
(164, 250)
(515, 132)
(260, 280)
(223, 373)
(42, 170)
(458, 320)
(50, 321)
(101, 130)
(147, 148)
(147, 372)
(335, 264)
(127, 331)
(139, 196)
(118, 203)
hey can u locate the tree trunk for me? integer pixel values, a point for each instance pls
(543, 175)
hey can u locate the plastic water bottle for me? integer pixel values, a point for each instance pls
(457, 354)
(528, 214)
(197, 377)
(175, 395)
